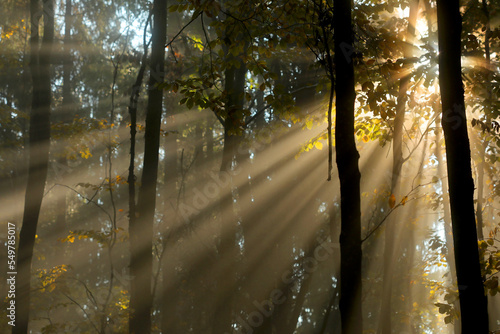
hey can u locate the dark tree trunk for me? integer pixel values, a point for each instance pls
(347, 164)
(141, 228)
(39, 143)
(473, 303)
(446, 212)
(228, 249)
(480, 185)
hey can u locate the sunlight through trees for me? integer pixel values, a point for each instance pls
(168, 166)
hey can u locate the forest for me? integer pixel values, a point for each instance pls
(267, 167)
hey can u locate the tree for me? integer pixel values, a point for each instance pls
(347, 164)
(39, 143)
(397, 166)
(65, 110)
(473, 303)
(141, 228)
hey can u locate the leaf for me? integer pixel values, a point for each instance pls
(435, 179)
(319, 145)
(367, 86)
(392, 201)
(309, 124)
(85, 153)
(404, 200)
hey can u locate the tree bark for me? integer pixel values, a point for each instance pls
(347, 164)
(39, 143)
(141, 228)
(473, 303)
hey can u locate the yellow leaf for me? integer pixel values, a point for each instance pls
(392, 201)
(319, 145)
(403, 201)
(309, 124)
(365, 139)
(85, 153)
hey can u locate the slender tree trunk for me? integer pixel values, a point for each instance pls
(483, 146)
(228, 250)
(39, 143)
(141, 228)
(169, 277)
(210, 142)
(446, 214)
(65, 117)
(480, 186)
(347, 163)
(385, 322)
(473, 303)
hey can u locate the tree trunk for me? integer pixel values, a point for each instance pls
(39, 143)
(481, 165)
(473, 303)
(347, 164)
(446, 214)
(141, 228)
(169, 277)
(385, 326)
(65, 116)
(228, 250)
(480, 185)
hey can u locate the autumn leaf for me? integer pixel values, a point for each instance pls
(392, 201)
(404, 200)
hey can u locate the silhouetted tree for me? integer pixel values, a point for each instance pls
(39, 143)
(141, 227)
(473, 303)
(349, 175)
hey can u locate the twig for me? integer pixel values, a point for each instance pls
(403, 201)
(182, 29)
(89, 200)
(83, 310)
